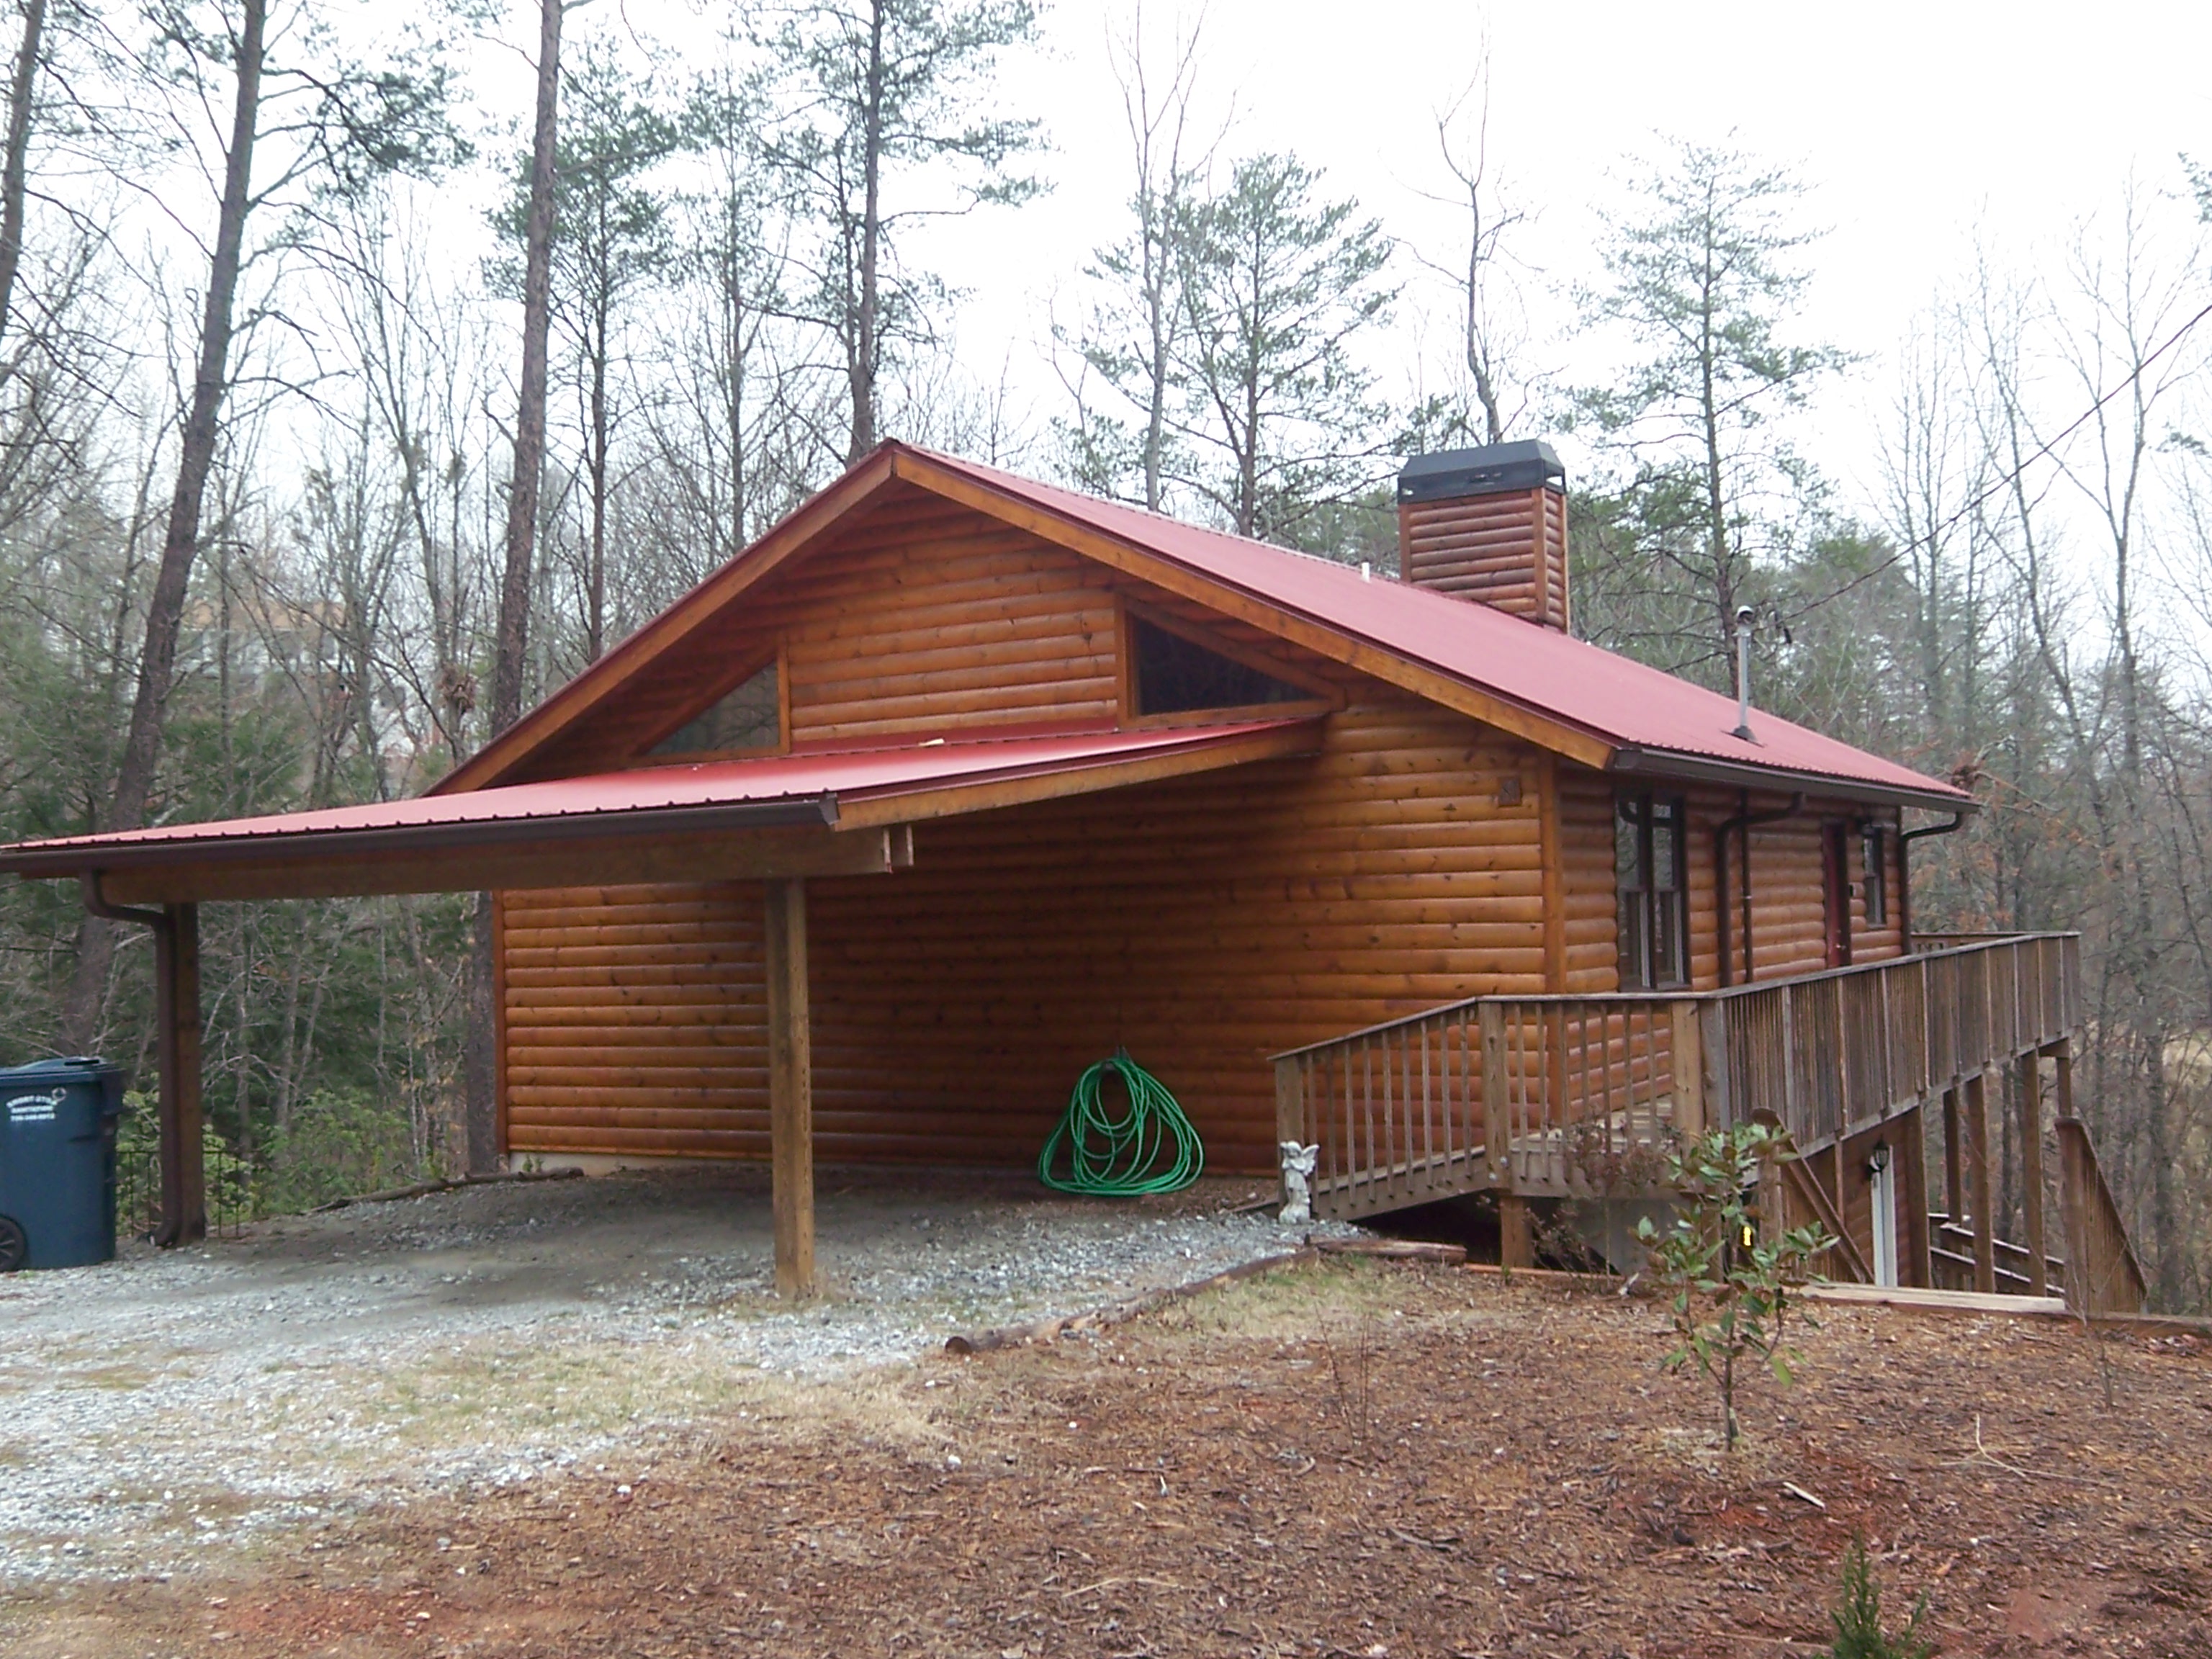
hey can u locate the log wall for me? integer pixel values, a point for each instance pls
(1205, 922)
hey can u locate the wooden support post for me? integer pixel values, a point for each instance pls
(1290, 1115)
(1516, 1235)
(2082, 1290)
(1497, 1125)
(2073, 1211)
(177, 1012)
(1954, 1186)
(1913, 1266)
(1978, 1141)
(2031, 1170)
(1689, 1071)
(790, 1088)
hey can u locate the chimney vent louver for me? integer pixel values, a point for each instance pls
(1488, 525)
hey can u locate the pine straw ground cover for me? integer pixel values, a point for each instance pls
(1351, 1458)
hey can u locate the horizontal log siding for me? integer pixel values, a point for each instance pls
(1206, 923)
(960, 630)
(1586, 851)
(1789, 925)
(1506, 551)
(634, 1020)
(919, 614)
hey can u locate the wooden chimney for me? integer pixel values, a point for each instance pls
(1488, 525)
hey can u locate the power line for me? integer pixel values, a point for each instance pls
(2013, 477)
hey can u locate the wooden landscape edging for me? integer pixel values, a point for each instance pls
(1911, 1298)
(424, 1188)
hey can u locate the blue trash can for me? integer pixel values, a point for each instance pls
(57, 1162)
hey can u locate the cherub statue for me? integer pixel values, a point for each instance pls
(1297, 1173)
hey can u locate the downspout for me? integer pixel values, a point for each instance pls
(1905, 839)
(1743, 822)
(170, 1232)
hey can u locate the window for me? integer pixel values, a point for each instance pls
(1654, 905)
(1175, 675)
(751, 717)
(1874, 852)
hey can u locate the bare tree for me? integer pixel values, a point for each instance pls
(876, 103)
(1131, 332)
(1463, 140)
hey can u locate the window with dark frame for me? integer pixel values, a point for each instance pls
(1177, 675)
(1874, 845)
(1653, 897)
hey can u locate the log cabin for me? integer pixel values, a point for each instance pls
(955, 781)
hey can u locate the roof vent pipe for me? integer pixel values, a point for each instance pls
(1743, 620)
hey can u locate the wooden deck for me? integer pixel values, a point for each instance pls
(1580, 1097)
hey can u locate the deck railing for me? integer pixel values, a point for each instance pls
(1563, 1093)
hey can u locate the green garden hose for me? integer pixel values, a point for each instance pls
(1149, 1148)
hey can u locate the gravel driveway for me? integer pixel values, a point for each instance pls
(173, 1401)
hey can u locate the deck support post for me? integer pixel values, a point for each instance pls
(1290, 1119)
(790, 1088)
(1955, 1188)
(2073, 1210)
(1915, 1267)
(2031, 1169)
(1977, 1138)
(1516, 1234)
(177, 1014)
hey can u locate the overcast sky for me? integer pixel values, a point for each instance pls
(1917, 128)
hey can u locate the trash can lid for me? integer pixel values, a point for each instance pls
(74, 1068)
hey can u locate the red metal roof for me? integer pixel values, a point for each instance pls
(796, 789)
(1631, 707)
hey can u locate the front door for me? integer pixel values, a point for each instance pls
(1836, 891)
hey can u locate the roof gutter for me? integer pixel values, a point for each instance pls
(36, 862)
(1740, 775)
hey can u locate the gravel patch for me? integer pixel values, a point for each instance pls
(174, 1402)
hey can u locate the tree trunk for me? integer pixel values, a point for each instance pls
(512, 640)
(157, 662)
(595, 630)
(15, 181)
(865, 318)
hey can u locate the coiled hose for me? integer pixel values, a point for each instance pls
(1149, 1147)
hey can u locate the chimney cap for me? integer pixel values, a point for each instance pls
(1490, 471)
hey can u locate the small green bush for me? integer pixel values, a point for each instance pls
(1857, 1618)
(339, 1143)
(1728, 1290)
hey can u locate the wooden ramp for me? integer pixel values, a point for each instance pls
(1555, 1097)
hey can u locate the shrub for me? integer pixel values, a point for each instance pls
(1859, 1633)
(1729, 1291)
(339, 1143)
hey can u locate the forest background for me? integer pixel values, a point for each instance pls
(263, 274)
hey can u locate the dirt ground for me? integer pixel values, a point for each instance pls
(1349, 1458)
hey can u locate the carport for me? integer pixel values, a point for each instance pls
(778, 819)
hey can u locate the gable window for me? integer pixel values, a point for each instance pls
(1177, 675)
(748, 718)
(1652, 896)
(1874, 854)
